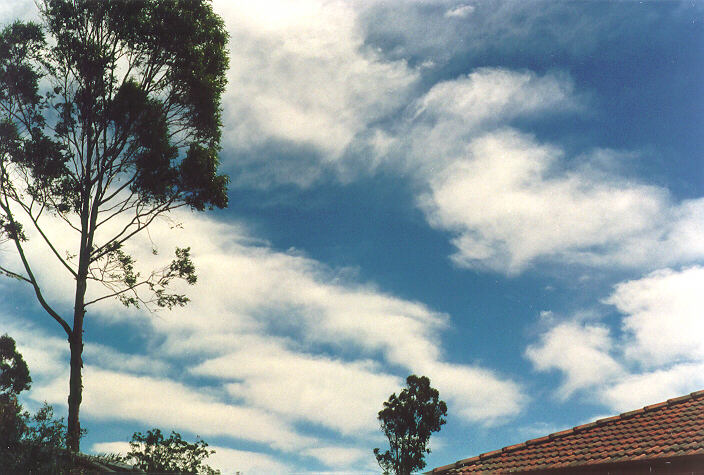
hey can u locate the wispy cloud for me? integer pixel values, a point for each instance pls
(228, 461)
(509, 201)
(284, 342)
(452, 31)
(301, 77)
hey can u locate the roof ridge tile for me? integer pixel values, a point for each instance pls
(537, 440)
(606, 420)
(626, 415)
(653, 407)
(675, 400)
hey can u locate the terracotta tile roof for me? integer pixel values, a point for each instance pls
(673, 428)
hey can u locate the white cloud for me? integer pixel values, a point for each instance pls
(509, 203)
(489, 96)
(263, 326)
(460, 11)
(663, 315)
(46, 355)
(228, 461)
(251, 290)
(657, 356)
(95, 354)
(474, 393)
(580, 351)
(110, 395)
(452, 113)
(110, 448)
(300, 73)
(641, 389)
(339, 458)
(304, 387)
(11, 10)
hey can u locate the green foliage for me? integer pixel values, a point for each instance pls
(14, 373)
(110, 117)
(28, 444)
(130, 126)
(408, 420)
(42, 446)
(151, 452)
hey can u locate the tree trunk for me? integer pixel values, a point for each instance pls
(75, 396)
(88, 220)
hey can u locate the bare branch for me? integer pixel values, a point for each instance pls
(14, 275)
(31, 279)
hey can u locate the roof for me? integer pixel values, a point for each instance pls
(673, 428)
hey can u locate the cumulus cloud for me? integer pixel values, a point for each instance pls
(580, 351)
(657, 356)
(663, 315)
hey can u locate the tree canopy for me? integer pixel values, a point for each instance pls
(408, 420)
(14, 373)
(110, 116)
(28, 443)
(153, 453)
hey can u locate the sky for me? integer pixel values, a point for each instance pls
(504, 196)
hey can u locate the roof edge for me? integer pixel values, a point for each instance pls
(563, 433)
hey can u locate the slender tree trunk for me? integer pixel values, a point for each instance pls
(88, 220)
(75, 396)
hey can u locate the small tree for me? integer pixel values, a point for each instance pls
(151, 452)
(408, 420)
(28, 444)
(109, 118)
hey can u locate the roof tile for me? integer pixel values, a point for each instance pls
(666, 429)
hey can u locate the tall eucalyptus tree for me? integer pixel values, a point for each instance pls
(110, 116)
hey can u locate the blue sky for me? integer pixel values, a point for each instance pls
(507, 197)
